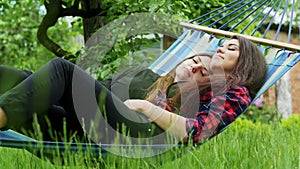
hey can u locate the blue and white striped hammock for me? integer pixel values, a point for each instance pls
(281, 57)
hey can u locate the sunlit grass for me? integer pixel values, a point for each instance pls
(243, 145)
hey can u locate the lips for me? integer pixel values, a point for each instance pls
(220, 56)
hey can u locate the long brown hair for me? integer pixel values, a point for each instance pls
(164, 81)
(251, 68)
(250, 72)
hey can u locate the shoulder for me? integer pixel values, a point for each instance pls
(231, 92)
(238, 97)
(238, 92)
(140, 83)
(132, 82)
(234, 95)
(144, 76)
(135, 73)
(238, 89)
(130, 72)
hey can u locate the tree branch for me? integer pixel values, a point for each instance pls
(53, 13)
(73, 11)
(55, 10)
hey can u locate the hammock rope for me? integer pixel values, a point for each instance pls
(291, 22)
(241, 13)
(233, 16)
(230, 14)
(281, 21)
(254, 19)
(223, 8)
(263, 20)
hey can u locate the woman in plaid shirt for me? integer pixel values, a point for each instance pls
(196, 100)
(238, 70)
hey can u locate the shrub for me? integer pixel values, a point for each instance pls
(292, 123)
(266, 114)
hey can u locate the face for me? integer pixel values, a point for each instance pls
(226, 56)
(193, 68)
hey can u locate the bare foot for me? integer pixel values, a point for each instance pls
(3, 118)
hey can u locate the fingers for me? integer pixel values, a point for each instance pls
(129, 104)
(204, 72)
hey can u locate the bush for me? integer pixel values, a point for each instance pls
(266, 114)
(292, 122)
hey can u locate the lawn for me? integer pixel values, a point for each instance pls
(243, 145)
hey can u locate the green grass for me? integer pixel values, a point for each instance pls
(243, 145)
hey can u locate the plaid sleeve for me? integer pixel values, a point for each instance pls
(219, 113)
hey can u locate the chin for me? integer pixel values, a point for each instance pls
(215, 66)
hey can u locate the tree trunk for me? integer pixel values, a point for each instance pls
(284, 97)
(90, 25)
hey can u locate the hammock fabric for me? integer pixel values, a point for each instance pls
(281, 57)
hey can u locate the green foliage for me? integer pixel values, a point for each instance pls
(19, 21)
(18, 33)
(266, 114)
(131, 47)
(291, 123)
(183, 10)
(33, 54)
(71, 29)
(123, 42)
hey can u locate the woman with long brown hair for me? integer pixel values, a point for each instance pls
(238, 69)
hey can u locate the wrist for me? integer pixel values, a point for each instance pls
(3, 118)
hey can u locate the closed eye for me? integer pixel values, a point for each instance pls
(194, 61)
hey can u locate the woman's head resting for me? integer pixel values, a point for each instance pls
(226, 57)
(193, 68)
(238, 59)
(243, 63)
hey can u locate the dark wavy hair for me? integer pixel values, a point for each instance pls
(164, 81)
(250, 72)
(251, 68)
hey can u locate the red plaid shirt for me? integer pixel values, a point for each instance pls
(215, 112)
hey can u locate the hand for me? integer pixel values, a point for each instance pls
(166, 120)
(137, 105)
(3, 118)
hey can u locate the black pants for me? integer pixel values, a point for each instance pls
(87, 104)
(55, 114)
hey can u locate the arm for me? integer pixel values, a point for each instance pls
(210, 121)
(220, 112)
(168, 121)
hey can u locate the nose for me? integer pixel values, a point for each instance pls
(220, 49)
(196, 67)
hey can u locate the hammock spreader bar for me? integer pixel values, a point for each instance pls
(262, 41)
